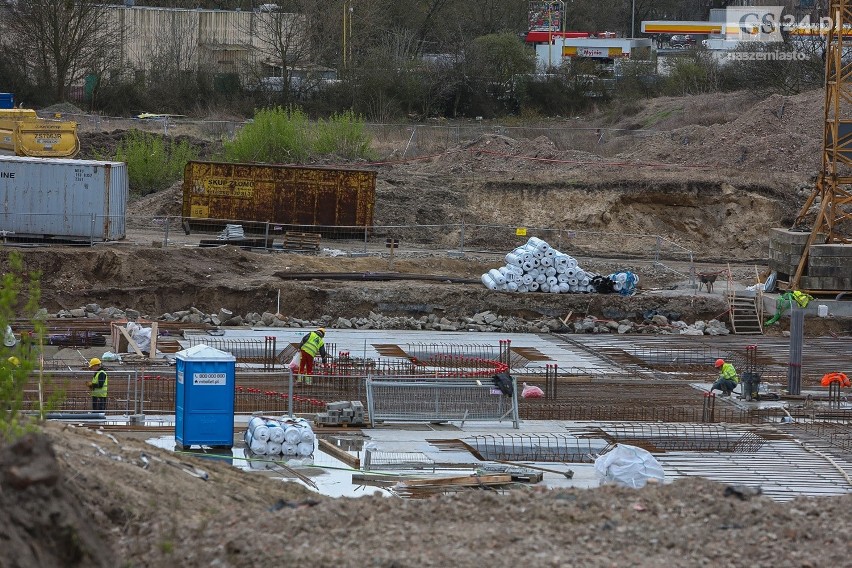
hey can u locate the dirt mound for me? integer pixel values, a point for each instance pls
(166, 202)
(98, 499)
(773, 135)
(103, 145)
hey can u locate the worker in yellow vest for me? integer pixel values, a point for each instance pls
(98, 385)
(312, 344)
(728, 378)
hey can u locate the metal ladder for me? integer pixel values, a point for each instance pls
(745, 311)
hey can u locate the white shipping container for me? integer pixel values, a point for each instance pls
(63, 199)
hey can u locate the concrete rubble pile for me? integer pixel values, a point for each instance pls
(486, 321)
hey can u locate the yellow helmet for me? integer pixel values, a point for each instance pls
(15, 361)
(321, 330)
(94, 362)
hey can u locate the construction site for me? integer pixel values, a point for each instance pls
(461, 411)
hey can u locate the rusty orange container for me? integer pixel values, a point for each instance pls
(289, 195)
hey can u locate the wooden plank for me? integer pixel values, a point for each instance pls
(465, 481)
(152, 351)
(337, 453)
(130, 341)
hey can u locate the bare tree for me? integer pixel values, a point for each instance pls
(63, 38)
(283, 43)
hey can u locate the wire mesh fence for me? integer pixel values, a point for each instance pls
(163, 231)
(397, 399)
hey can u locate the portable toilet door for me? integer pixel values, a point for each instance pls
(204, 398)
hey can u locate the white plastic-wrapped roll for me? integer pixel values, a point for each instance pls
(538, 243)
(273, 448)
(544, 287)
(528, 256)
(276, 432)
(488, 281)
(538, 254)
(513, 258)
(503, 287)
(561, 269)
(571, 273)
(258, 428)
(523, 288)
(496, 276)
(590, 288)
(512, 286)
(292, 435)
(584, 281)
(305, 449)
(533, 286)
(256, 445)
(534, 273)
(527, 265)
(550, 272)
(572, 262)
(527, 279)
(552, 281)
(562, 278)
(554, 289)
(617, 286)
(307, 434)
(635, 279)
(550, 253)
(564, 288)
(579, 273)
(290, 449)
(573, 282)
(547, 261)
(536, 262)
(541, 279)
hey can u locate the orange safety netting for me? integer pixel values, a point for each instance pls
(841, 378)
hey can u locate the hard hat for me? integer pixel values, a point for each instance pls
(719, 362)
(94, 362)
(15, 361)
(321, 330)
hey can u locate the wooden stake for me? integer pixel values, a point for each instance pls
(152, 351)
(130, 341)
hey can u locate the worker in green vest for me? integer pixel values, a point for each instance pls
(728, 378)
(98, 385)
(312, 344)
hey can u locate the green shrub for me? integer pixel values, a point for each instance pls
(342, 135)
(17, 362)
(279, 135)
(153, 163)
(275, 135)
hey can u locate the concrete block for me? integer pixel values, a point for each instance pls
(347, 413)
(833, 250)
(334, 414)
(788, 236)
(338, 405)
(356, 404)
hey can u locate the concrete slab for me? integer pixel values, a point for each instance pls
(360, 343)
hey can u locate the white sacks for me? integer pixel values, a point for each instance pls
(628, 466)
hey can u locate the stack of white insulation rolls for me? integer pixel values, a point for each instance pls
(286, 436)
(538, 267)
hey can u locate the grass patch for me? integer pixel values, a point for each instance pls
(153, 163)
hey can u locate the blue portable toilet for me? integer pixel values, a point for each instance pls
(7, 100)
(204, 401)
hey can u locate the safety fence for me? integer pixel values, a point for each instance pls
(409, 399)
(455, 239)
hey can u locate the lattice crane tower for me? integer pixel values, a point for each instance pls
(833, 188)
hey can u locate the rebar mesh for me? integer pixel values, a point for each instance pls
(537, 447)
(678, 437)
(397, 460)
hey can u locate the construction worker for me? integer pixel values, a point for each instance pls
(98, 385)
(312, 344)
(728, 378)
